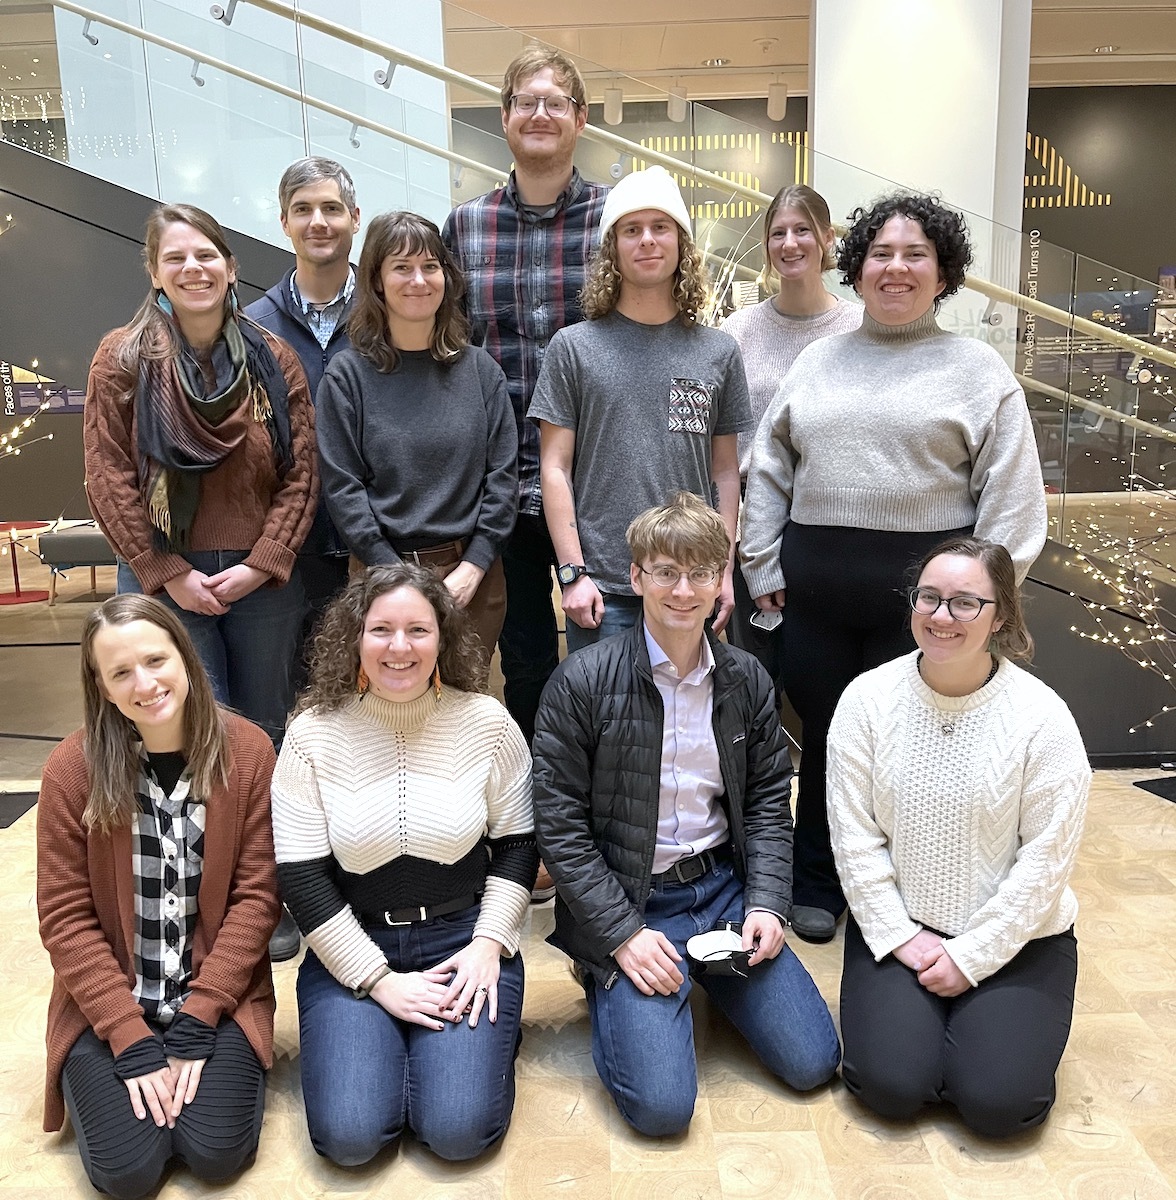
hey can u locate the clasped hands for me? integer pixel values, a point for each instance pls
(650, 961)
(165, 1092)
(212, 594)
(465, 982)
(936, 970)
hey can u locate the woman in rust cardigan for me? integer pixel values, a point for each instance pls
(201, 465)
(157, 894)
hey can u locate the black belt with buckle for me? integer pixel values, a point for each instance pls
(414, 916)
(686, 870)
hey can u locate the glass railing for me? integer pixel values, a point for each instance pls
(190, 106)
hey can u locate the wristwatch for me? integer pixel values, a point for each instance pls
(569, 573)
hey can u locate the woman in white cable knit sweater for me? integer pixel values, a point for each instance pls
(880, 443)
(957, 792)
(406, 851)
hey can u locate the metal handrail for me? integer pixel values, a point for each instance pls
(985, 287)
(281, 88)
(992, 290)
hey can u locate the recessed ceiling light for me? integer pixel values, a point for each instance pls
(715, 62)
(1105, 49)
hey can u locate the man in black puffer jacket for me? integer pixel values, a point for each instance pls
(662, 779)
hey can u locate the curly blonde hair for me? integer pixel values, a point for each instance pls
(334, 659)
(603, 288)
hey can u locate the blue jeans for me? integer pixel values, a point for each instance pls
(620, 614)
(643, 1046)
(367, 1075)
(249, 653)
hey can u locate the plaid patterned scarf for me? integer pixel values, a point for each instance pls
(185, 428)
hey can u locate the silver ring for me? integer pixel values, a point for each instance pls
(483, 989)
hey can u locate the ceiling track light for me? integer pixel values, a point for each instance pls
(677, 106)
(777, 101)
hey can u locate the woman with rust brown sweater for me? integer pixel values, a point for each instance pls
(200, 464)
(157, 891)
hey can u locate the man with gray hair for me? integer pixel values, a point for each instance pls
(309, 307)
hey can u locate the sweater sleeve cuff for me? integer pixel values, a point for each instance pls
(273, 558)
(765, 580)
(480, 552)
(504, 904)
(153, 569)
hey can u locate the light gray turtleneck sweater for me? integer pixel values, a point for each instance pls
(902, 428)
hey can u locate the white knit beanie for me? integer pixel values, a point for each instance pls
(652, 188)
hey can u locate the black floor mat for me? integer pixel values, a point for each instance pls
(1164, 787)
(14, 805)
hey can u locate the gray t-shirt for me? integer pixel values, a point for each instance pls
(645, 402)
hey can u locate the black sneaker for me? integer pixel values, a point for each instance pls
(286, 940)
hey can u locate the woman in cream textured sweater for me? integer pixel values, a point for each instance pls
(957, 792)
(880, 443)
(406, 852)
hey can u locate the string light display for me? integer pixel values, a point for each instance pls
(9, 441)
(1137, 565)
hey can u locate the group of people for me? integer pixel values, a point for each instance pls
(339, 500)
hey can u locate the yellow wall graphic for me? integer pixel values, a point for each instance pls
(1060, 183)
(748, 148)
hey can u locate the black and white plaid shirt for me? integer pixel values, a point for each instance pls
(167, 857)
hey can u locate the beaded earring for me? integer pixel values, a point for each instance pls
(362, 683)
(437, 682)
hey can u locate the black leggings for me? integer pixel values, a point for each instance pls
(846, 611)
(992, 1051)
(215, 1136)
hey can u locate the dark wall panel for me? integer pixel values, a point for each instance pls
(1117, 141)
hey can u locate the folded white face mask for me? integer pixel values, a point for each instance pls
(719, 950)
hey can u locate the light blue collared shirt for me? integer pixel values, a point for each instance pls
(689, 820)
(324, 318)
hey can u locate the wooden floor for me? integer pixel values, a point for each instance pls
(1111, 1136)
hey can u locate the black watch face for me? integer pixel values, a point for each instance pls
(568, 574)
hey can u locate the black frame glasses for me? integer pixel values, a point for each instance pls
(951, 601)
(568, 103)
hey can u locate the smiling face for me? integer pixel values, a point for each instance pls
(796, 248)
(399, 645)
(318, 224)
(541, 141)
(140, 671)
(958, 648)
(194, 276)
(647, 248)
(900, 277)
(413, 287)
(677, 613)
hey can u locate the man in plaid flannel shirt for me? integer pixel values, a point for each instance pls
(524, 250)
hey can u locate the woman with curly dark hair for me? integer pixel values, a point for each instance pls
(879, 443)
(406, 852)
(416, 431)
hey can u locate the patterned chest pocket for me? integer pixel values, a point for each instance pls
(690, 406)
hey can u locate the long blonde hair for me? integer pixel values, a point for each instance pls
(603, 288)
(112, 740)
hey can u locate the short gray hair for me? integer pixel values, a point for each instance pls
(311, 170)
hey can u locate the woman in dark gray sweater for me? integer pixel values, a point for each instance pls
(416, 432)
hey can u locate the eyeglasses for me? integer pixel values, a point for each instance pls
(554, 105)
(962, 608)
(668, 576)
